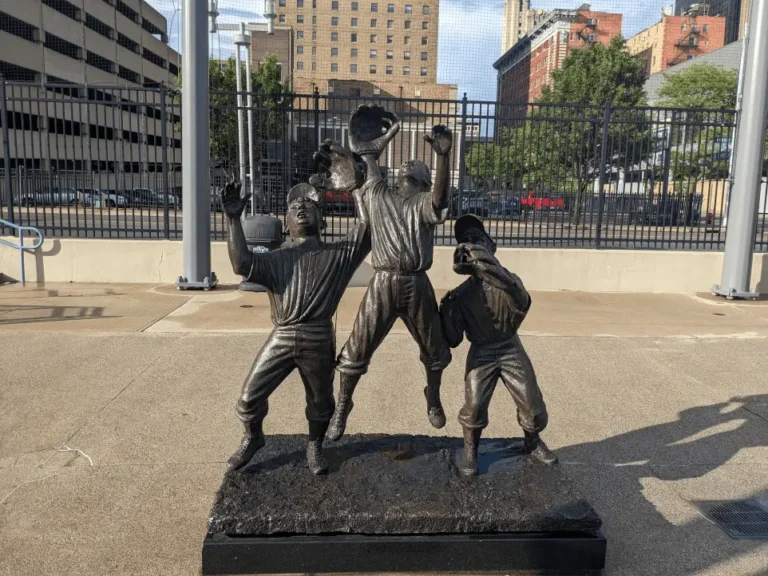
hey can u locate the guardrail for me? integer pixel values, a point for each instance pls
(20, 246)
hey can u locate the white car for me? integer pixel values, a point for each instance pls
(95, 198)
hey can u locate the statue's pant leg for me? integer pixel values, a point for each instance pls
(375, 317)
(422, 318)
(274, 363)
(480, 380)
(520, 379)
(315, 359)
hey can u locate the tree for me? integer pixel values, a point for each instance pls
(700, 86)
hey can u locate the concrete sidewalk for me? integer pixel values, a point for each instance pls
(117, 418)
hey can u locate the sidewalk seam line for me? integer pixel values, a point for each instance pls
(153, 322)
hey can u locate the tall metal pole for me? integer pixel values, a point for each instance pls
(739, 91)
(748, 168)
(196, 226)
(240, 105)
(249, 89)
(6, 152)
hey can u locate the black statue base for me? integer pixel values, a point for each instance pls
(398, 503)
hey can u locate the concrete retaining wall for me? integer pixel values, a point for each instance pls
(551, 269)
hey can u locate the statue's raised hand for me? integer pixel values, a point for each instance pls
(441, 140)
(336, 169)
(232, 200)
(371, 128)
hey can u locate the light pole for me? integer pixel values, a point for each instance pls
(748, 166)
(242, 39)
(196, 225)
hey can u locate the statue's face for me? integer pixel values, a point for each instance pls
(414, 177)
(304, 218)
(476, 236)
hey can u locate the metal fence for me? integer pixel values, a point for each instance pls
(86, 161)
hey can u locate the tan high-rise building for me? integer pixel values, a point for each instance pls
(519, 19)
(391, 44)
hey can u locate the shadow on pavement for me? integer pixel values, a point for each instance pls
(26, 314)
(620, 477)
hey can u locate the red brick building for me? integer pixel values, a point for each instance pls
(527, 67)
(676, 39)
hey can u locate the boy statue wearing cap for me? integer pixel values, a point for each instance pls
(402, 223)
(489, 307)
(305, 282)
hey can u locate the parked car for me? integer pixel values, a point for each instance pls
(671, 211)
(50, 197)
(539, 202)
(340, 203)
(96, 198)
(148, 198)
(503, 206)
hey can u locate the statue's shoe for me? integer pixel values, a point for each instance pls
(339, 420)
(538, 449)
(248, 448)
(435, 411)
(316, 462)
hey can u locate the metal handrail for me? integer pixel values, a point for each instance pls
(20, 246)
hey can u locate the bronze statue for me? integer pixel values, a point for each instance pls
(305, 283)
(402, 223)
(489, 307)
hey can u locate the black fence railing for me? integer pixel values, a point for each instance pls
(106, 162)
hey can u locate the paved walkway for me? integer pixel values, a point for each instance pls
(116, 418)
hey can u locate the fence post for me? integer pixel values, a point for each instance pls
(460, 149)
(603, 159)
(6, 149)
(316, 99)
(164, 140)
(667, 161)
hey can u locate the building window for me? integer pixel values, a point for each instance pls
(689, 57)
(300, 19)
(389, 70)
(314, 50)
(62, 46)
(423, 71)
(299, 49)
(425, 25)
(373, 22)
(127, 11)
(334, 5)
(353, 53)
(390, 55)
(374, 7)
(424, 40)
(372, 69)
(354, 37)
(353, 68)
(314, 19)
(334, 51)
(409, 8)
(391, 8)
(282, 3)
(314, 66)
(406, 70)
(281, 18)
(299, 34)
(406, 40)
(373, 38)
(334, 36)
(299, 65)
(407, 24)
(373, 53)
(334, 67)
(334, 20)
(92, 23)
(425, 9)
(314, 34)
(65, 8)
(299, 3)
(406, 55)
(390, 39)
(424, 56)
(354, 6)
(354, 22)
(126, 42)
(128, 74)
(705, 28)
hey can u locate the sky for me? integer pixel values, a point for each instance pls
(469, 33)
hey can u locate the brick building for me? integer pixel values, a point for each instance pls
(735, 12)
(676, 39)
(527, 67)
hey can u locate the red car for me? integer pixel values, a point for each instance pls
(533, 202)
(339, 202)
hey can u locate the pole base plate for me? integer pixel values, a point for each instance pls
(733, 294)
(208, 283)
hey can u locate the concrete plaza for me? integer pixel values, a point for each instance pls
(116, 419)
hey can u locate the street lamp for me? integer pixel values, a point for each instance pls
(270, 15)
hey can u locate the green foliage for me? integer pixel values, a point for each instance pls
(700, 86)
